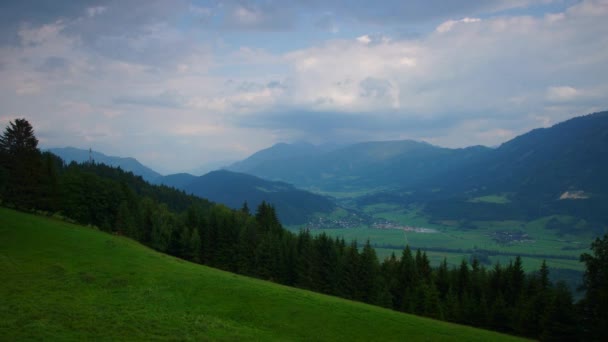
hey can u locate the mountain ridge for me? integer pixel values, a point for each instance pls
(69, 154)
(534, 172)
(293, 206)
(375, 164)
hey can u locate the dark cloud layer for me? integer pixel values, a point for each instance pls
(14, 14)
(334, 126)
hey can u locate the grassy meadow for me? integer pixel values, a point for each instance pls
(539, 245)
(67, 282)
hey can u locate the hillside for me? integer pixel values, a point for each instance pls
(548, 171)
(69, 154)
(293, 206)
(566, 156)
(67, 282)
(358, 167)
(276, 153)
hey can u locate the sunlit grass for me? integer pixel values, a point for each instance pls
(66, 282)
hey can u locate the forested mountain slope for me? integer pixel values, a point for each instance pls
(361, 166)
(548, 171)
(70, 154)
(233, 189)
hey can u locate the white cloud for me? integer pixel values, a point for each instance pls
(477, 68)
(365, 39)
(562, 93)
(449, 25)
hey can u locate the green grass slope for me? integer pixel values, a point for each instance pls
(66, 282)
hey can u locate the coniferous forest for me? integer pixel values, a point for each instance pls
(254, 243)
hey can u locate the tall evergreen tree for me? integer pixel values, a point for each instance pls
(305, 263)
(347, 272)
(18, 138)
(595, 282)
(442, 280)
(20, 158)
(560, 322)
(369, 274)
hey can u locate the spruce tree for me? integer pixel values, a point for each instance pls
(595, 282)
(20, 159)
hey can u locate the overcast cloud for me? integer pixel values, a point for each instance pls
(178, 84)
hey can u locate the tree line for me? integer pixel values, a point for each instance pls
(502, 297)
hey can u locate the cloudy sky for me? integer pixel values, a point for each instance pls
(179, 84)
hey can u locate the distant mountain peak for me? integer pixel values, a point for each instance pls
(130, 164)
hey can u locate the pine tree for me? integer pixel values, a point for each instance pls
(125, 223)
(22, 165)
(544, 276)
(18, 138)
(247, 244)
(464, 284)
(347, 272)
(369, 274)
(442, 280)
(407, 279)
(245, 208)
(560, 322)
(595, 282)
(305, 267)
(194, 246)
(326, 259)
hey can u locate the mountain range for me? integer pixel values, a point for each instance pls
(556, 170)
(547, 171)
(71, 154)
(361, 166)
(293, 206)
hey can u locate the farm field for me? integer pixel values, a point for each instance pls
(492, 241)
(68, 282)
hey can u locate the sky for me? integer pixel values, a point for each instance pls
(180, 84)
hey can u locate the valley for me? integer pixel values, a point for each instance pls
(488, 241)
(258, 170)
(426, 249)
(533, 196)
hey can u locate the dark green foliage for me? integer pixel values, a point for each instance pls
(71, 154)
(347, 272)
(595, 303)
(21, 164)
(560, 321)
(18, 138)
(3, 179)
(535, 168)
(368, 275)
